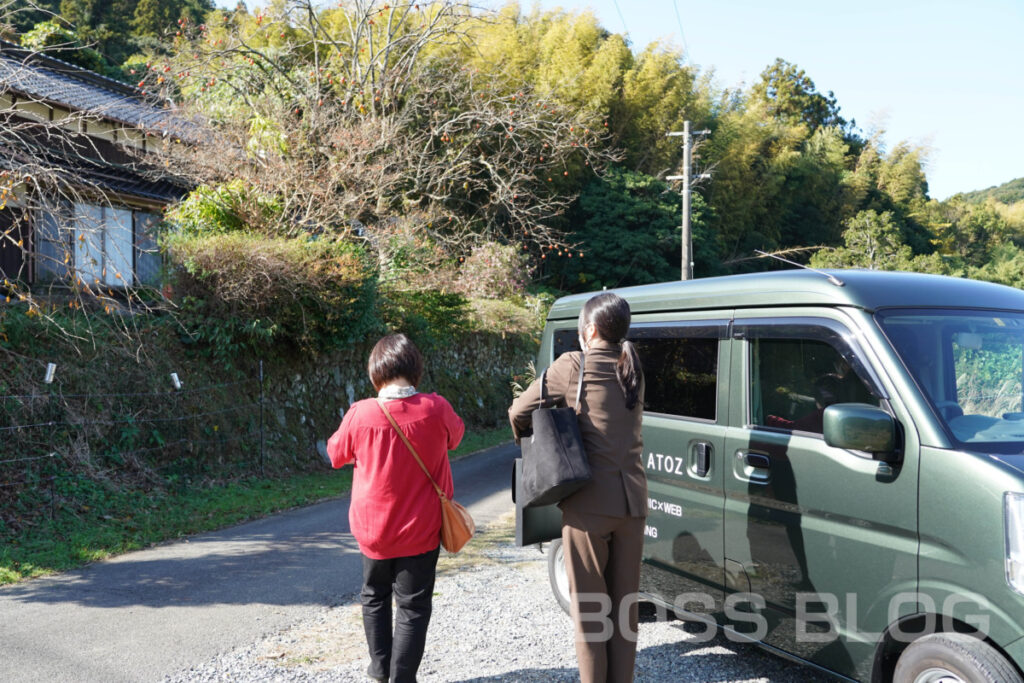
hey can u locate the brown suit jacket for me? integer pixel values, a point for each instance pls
(611, 433)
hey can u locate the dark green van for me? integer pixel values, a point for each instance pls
(835, 466)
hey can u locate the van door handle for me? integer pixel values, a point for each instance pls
(702, 451)
(757, 460)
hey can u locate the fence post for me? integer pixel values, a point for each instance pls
(262, 467)
(53, 492)
(51, 416)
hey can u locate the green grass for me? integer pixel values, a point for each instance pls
(479, 439)
(101, 522)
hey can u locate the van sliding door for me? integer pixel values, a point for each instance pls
(685, 415)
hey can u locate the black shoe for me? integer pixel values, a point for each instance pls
(375, 677)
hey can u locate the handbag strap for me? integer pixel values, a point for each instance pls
(412, 450)
(579, 385)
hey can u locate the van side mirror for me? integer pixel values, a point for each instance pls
(861, 427)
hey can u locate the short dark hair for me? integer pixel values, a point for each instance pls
(392, 357)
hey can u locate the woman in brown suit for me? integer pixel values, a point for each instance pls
(602, 523)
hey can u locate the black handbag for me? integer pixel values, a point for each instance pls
(554, 463)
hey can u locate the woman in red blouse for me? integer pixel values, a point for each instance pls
(395, 513)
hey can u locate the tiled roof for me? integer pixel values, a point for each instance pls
(42, 77)
(88, 163)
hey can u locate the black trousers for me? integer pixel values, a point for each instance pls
(396, 656)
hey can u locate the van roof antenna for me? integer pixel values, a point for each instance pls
(831, 278)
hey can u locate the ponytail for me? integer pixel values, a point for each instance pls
(610, 314)
(629, 373)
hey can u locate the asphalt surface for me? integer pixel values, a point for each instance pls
(145, 615)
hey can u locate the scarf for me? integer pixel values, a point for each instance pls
(392, 391)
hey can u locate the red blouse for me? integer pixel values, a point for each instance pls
(395, 511)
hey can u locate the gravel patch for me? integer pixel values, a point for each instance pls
(494, 620)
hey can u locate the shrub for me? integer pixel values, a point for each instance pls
(430, 317)
(240, 291)
(493, 271)
(229, 207)
(509, 316)
(408, 256)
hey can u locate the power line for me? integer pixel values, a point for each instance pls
(110, 423)
(38, 457)
(621, 18)
(682, 34)
(209, 387)
(25, 482)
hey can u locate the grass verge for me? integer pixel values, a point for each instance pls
(479, 439)
(107, 522)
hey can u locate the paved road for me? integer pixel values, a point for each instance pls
(147, 614)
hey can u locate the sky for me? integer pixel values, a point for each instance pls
(942, 74)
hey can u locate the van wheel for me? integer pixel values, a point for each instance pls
(953, 658)
(556, 574)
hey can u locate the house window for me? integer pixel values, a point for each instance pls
(104, 245)
(147, 251)
(52, 250)
(107, 246)
(15, 241)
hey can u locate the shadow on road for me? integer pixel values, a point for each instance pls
(301, 557)
(246, 569)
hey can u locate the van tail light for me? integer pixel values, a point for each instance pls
(1014, 512)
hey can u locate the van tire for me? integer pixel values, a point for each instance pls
(556, 574)
(953, 656)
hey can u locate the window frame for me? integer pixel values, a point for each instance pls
(139, 236)
(824, 330)
(558, 348)
(717, 329)
(52, 268)
(145, 239)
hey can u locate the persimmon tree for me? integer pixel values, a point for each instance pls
(357, 115)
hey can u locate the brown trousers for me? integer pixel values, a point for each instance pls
(602, 559)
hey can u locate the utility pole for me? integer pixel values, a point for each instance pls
(687, 240)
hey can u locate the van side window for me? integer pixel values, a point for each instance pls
(564, 341)
(794, 379)
(680, 370)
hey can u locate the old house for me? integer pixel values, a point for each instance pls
(81, 192)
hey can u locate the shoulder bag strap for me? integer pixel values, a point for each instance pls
(543, 375)
(412, 450)
(579, 386)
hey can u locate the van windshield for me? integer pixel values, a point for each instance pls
(969, 365)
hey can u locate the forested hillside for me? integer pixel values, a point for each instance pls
(1007, 193)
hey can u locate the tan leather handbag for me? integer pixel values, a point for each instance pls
(457, 525)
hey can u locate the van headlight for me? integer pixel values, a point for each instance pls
(1014, 511)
